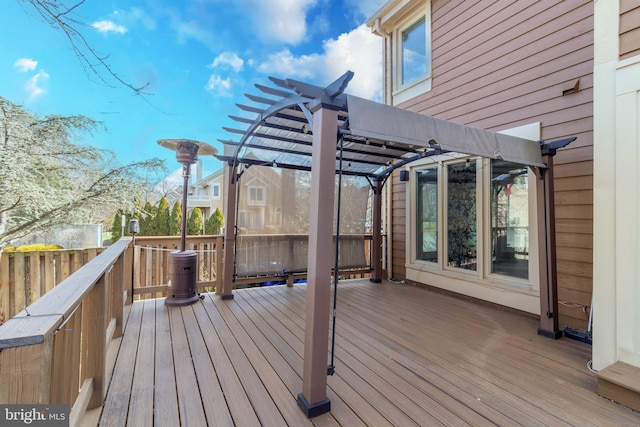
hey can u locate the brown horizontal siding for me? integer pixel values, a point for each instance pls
(492, 55)
(629, 28)
(498, 65)
(399, 230)
(567, 239)
(574, 183)
(573, 170)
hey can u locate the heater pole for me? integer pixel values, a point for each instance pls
(186, 171)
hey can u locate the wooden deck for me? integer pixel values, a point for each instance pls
(404, 356)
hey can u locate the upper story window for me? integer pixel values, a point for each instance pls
(256, 196)
(216, 191)
(411, 61)
(414, 52)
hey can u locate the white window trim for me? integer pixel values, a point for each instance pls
(213, 192)
(403, 92)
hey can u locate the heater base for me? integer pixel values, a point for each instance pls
(181, 301)
(183, 267)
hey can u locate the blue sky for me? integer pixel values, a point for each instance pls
(198, 58)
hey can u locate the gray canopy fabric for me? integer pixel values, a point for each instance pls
(370, 119)
(375, 137)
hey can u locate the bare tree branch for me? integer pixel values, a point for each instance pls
(60, 17)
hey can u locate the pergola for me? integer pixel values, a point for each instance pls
(307, 127)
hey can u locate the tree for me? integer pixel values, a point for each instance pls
(163, 215)
(47, 178)
(148, 220)
(65, 18)
(214, 223)
(175, 222)
(116, 226)
(194, 224)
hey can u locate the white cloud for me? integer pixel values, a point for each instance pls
(358, 51)
(25, 64)
(219, 86)
(33, 85)
(279, 21)
(228, 59)
(109, 27)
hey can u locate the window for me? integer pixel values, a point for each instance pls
(414, 52)
(411, 60)
(461, 216)
(427, 215)
(472, 215)
(256, 196)
(216, 191)
(509, 219)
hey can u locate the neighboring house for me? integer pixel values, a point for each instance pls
(259, 207)
(462, 223)
(259, 210)
(207, 193)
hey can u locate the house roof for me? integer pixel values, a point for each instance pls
(374, 138)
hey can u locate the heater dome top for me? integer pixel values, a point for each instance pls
(177, 145)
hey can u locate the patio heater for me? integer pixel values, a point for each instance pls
(183, 264)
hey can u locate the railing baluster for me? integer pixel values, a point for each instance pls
(94, 325)
(65, 376)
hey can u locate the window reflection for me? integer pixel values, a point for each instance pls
(414, 51)
(509, 219)
(461, 215)
(427, 215)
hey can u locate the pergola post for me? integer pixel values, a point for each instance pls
(226, 289)
(376, 244)
(549, 325)
(313, 400)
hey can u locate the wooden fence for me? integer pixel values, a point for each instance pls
(26, 276)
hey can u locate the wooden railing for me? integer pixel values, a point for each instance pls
(287, 258)
(150, 264)
(26, 276)
(55, 350)
(151, 261)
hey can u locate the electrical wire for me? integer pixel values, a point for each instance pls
(331, 368)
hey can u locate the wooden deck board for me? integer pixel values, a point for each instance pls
(119, 391)
(404, 356)
(165, 393)
(211, 393)
(189, 401)
(265, 366)
(261, 401)
(141, 399)
(239, 406)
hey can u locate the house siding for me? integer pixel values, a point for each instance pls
(505, 64)
(629, 29)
